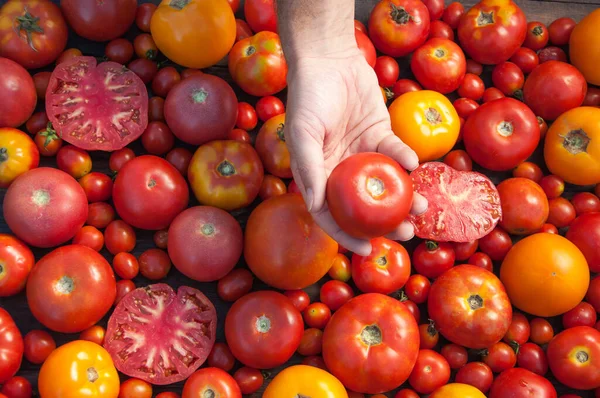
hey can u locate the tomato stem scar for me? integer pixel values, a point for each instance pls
(433, 116)
(263, 324)
(250, 50)
(439, 53)
(431, 245)
(485, 18)
(371, 335)
(65, 285)
(199, 96)
(208, 229)
(375, 186)
(582, 356)
(576, 141)
(92, 375)
(226, 169)
(400, 15)
(3, 154)
(505, 129)
(475, 302)
(179, 4)
(40, 197)
(280, 131)
(537, 30)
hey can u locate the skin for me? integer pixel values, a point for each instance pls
(321, 130)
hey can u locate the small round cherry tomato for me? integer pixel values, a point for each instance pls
(585, 202)
(553, 186)
(552, 54)
(537, 36)
(592, 97)
(221, 357)
(135, 388)
(311, 343)
(41, 80)
(250, 380)
(242, 30)
(143, 16)
(455, 354)
(549, 228)
(37, 122)
(526, 59)
(387, 70)
(464, 250)
(97, 186)
(157, 139)
(533, 358)
(341, 268)
(334, 294)
(429, 336)
(268, 107)
(119, 50)
(472, 87)
(417, 288)
(583, 314)
(165, 80)
(404, 86)
(431, 371)
(431, 259)
(491, 94)
(47, 141)
(508, 78)
(235, 284)
(246, 119)
(68, 54)
(145, 47)
(500, 357)
(465, 107)
(404, 393)
(144, 68)
(119, 237)
(474, 67)
(440, 29)
(481, 260)
(239, 135)
(124, 286)
(518, 332)
(154, 264)
(413, 309)
(126, 265)
(560, 31)
(476, 374)
(100, 215)
(528, 170)
(180, 158)
(156, 109)
(453, 13)
(38, 344)
(118, 158)
(17, 387)
(95, 334)
(496, 244)
(271, 186)
(161, 238)
(299, 298)
(543, 127)
(74, 161)
(316, 315)
(541, 331)
(562, 213)
(89, 236)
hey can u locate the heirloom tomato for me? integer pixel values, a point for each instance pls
(149, 193)
(427, 122)
(492, 30)
(11, 347)
(226, 174)
(371, 343)
(99, 20)
(34, 33)
(439, 65)
(18, 92)
(211, 382)
(193, 33)
(521, 382)
(501, 134)
(457, 390)
(583, 39)
(545, 275)
(18, 154)
(572, 147)
(537, 36)
(305, 381)
(524, 206)
(16, 261)
(584, 232)
(398, 27)
(430, 372)
(271, 147)
(257, 64)
(79, 368)
(71, 288)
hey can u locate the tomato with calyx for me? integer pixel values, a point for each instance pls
(305, 381)
(457, 199)
(521, 382)
(581, 43)
(469, 306)
(398, 27)
(545, 275)
(499, 357)
(11, 346)
(19, 93)
(584, 232)
(524, 206)
(18, 154)
(16, 261)
(271, 147)
(369, 195)
(492, 30)
(439, 65)
(431, 259)
(211, 382)
(226, 174)
(537, 36)
(508, 78)
(371, 343)
(383, 271)
(161, 336)
(34, 33)
(96, 107)
(572, 147)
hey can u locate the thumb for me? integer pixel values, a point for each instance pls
(394, 148)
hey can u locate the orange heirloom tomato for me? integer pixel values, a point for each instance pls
(583, 47)
(457, 390)
(18, 154)
(257, 64)
(79, 369)
(226, 174)
(427, 122)
(194, 33)
(271, 147)
(545, 275)
(305, 381)
(572, 147)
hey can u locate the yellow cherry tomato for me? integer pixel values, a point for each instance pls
(457, 390)
(18, 154)
(584, 47)
(305, 381)
(427, 122)
(79, 369)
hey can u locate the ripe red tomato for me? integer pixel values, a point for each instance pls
(592, 98)
(260, 321)
(38, 121)
(403, 86)
(413, 309)
(119, 50)
(144, 69)
(100, 215)
(89, 236)
(17, 387)
(470, 306)
(399, 27)
(501, 134)
(126, 266)
(156, 108)
(465, 107)
(537, 36)
(99, 21)
(585, 202)
(242, 30)
(180, 158)
(235, 284)
(439, 65)
(525, 206)
(299, 298)
(562, 213)
(431, 259)
(428, 336)
(459, 160)
(95, 334)
(260, 15)
(453, 13)
(145, 47)
(508, 78)
(363, 336)
(472, 87)
(157, 139)
(476, 374)
(38, 344)
(521, 382)
(124, 286)
(149, 193)
(552, 54)
(316, 315)
(549, 228)
(11, 347)
(499, 357)
(455, 354)
(557, 80)
(164, 81)
(533, 358)
(541, 331)
(440, 29)
(462, 251)
(481, 260)
(143, 16)
(518, 332)
(431, 371)
(474, 67)
(70, 289)
(250, 380)
(157, 319)
(41, 80)
(311, 343)
(491, 94)
(593, 293)
(268, 107)
(496, 244)
(366, 47)
(75, 161)
(341, 268)
(154, 264)
(435, 8)
(271, 186)
(491, 32)
(135, 388)
(526, 59)
(16, 261)
(404, 393)
(211, 382)
(334, 294)
(528, 170)
(583, 314)
(246, 118)
(47, 141)
(369, 195)
(239, 135)
(97, 186)
(387, 70)
(560, 31)
(119, 237)
(18, 89)
(221, 357)
(118, 158)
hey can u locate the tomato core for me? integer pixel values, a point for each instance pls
(280, 130)
(250, 50)
(65, 285)
(537, 30)
(505, 129)
(371, 335)
(433, 116)
(3, 154)
(208, 229)
(41, 197)
(209, 393)
(400, 15)
(475, 302)
(439, 53)
(199, 96)
(381, 261)
(179, 4)
(263, 324)
(582, 356)
(226, 169)
(485, 18)
(576, 141)
(375, 187)
(92, 375)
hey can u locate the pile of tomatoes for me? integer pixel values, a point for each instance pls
(102, 153)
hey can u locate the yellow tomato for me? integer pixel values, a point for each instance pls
(194, 33)
(457, 390)
(305, 381)
(79, 369)
(572, 147)
(584, 47)
(18, 154)
(545, 275)
(427, 122)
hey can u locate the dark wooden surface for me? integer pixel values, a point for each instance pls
(543, 11)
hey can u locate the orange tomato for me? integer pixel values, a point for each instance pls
(572, 147)
(427, 122)
(457, 390)
(583, 47)
(270, 145)
(194, 33)
(79, 369)
(226, 174)
(18, 154)
(545, 275)
(305, 381)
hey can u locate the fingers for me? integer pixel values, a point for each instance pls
(419, 204)
(325, 220)
(404, 232)
(393, 147)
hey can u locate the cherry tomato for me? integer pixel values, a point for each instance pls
(560, 31)
(145, 47)
(74, 161)
(429, 336)
(431, 259)
(268, 107)
(135, 388)
(221, 357)
(100, 215)
(404, 86)
(500, 357)
(593, 293)
(119, 237)
(476, 374)
(334, 294)
(455, 354)
(462, 251)
(180, 158)
(41, 81)
(496, 244)
(17, 387)
(235, 284)
(144, 69)
(543, 127)
(562, 212)
(239, 135)
(124, 286)
(552, 54)
(156, 109)
(47, 141)
(582, 315)
(89, 236)
(341, 268)
(518, 331)
(453, 13)
(439, 65)
(440, 29)
(311, 343)
(154, 264)
(430, 372)
(585, 202)
(316, 315)
(465, 107)
(491, 94)
(541, 331)
(481, 260)
(526, 59)
(413, 309)
(161, 238)
(271, 186)
(533, 358)
(508, 78)
(553, 186)
(404, 393)
(472, 87)
(97, 186)
(360, 26)
(95, 334)
(118, 158)
(592, 97)
(474, 67)
(528, 170)
(387, 70)
(119, 50)
(299, 298)
(165, 80)
(549, 228)
(246, 118)
(250, 380)
(143, 15)
(126, 265)
(417, 288)
(242, 30)
(537, 36)
(158, 139)
(68, 54)
(38, 345)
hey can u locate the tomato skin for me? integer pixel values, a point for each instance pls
(428, 335)
(440, 29)
(431, 259)
(73, 160)
(341, 269)
(235, 284)
(526, 59)
(268, 107)
(465, 107)
(387, 70)
(316, 315)
(165, 80)
(119, 50)
(481, 260)
(242, 30)
(145, 47)
(124, 286)
(431, 371)
(155, 264)
(491, 94)
(248, 379)
(97, 186)
(17, 387)
(500, 357)
(552, 54)
(476, 374)
(496, 244)
(384, 271)
(537, 36)
(119, 237)
(553, 186)
(271, 186)
(533, 358)
(156, 108)
(366, 47)
(417, 288)
(518, 332)
(157, 139)
(453, 13)
(100, 215)
(455, 354)
(354, 327)
(135, 388)
(180, 158)
(126, 266)
(521, 382)
(89, 236)
(560, 31)
(470, 306)
(36, 122)
(16, 261)
(118, 159)
(334, 294)
(18, 88)
(95, 334)
(257, 322)
(145, 69)
(582, 315)
(525, 207)
(221, 357)
(472, 87)
(41, 81)
(11, 346)
(508, 78)
(311, 343)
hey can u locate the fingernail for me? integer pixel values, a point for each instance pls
(310, 198)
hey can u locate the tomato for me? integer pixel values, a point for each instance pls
(406, 393)
(248, 379)
(235, 284)
(89, 236)
(36, 122)
(242, 30)
(528, 170)
(549, 228)
(16, 261)
(47, 141)
(541, 331)
(316, 315)
(126, 266)
(19, 91)
(387, 70)
(431, 259)
(496, 244)
(96, 91)
(68, 54)
(73, 160)
(474, 68)
(518, 331)
(41, 80)
(17, 387)
(221, 357)
(459, 160)
(559, 81)
(470, 198)
(427, 122)
(553, 186)
(580, 43)
(562, 212)
(582, 315)
(18, 154)
(180, 158)
(119, 237)
(453, 13)
(271, 186)
(118, 159)
(521, 382)
(471, 87)
(211, 382)
(311, 343)
(439, 65)
(476, 374)
(334, 294)
(556, 271)
(99, 21)
(369, 195)
(585, 202)
(552, 54)
(440, 29)
(97, 186)
(156, 108)
(366, 47)
(428, 335)
(465, 107)
(457, 390)
(201, 108)
(299, 298)
(100, 215)
(525, 206)
(583, 232)
(508, 78)
(593, 293)
(268, 107)
(119, 50)
(560, 31)
(455, 354)
(431, 371)
(95, 334)
(537, 36)
(124, 286)
(499, 357)
(158, 138)
(491, 94)
(404, 86)
(145, 47)
(11, 347)
(143, 16)
(399, 27)
(363, 336)
(305, 381)
(154, 264)
(135, 388)
(165, 80)
(161, 238)
(527, 60)
(417, 288)
(246, 118)
(144, 69)
(481, 260)
(533, 358)
(340, 268)
(413, 309)
(271, 147)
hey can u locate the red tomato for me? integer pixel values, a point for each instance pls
(521, 382)
(145, 47)
(440, 29)
(135, 388)
(362, 338)
(235, 284)
(158, 319)
(119, 50)
(95, 334)
(428, 336)
(501, 134)
(99, 21)
(592, 98)
(508, 78)
(369, 195)
(358, 25)
(260, 321)
(36, 122)
(144, 69)
(124, 286)
(180, 158)
(476, 374)
(71, 289)
(404, 393)
(518, 332)
(11, 347)
(481, 260)
(75, 161)
(593, 293)
(299, 298)
(413, 309)
(472, 87)
(387, 70)
(552, 54)
(453, 13)
(549, 228)
(559, 81)
(384, 271)
(465, 107)
(18, 90)
(68, 54)
(474, 67)
(154, 264)
(239, 135)
(41, 80)
(158, 139)
(89, 236)
(119, 237)
(417, 288)
(491, 94)
(156, 111)
(211, 382)
(366, 47)
(560, 31)
(38, 344)
(526, 59)
(462, 251)
(221, 357)
(100, 215)
(435, 8)
(431, 371)
(583, 314)
(431, 259)
(334, 294)
(541, 331)
(143, 16)
(455, 354)
(118, 159)
(97, 186)
(528, 170)
(470, 306)
(164, 81)
(439, 65)
(260, 15)
(268, 107)
(553, 186)
(246, 118)
(242, 30)
(499, 357)
(525, 207)
(562, 212)
(311, 343)
(533, 358)
(271, 186)
(403, 86)
(341, 268)
(537, 36)
(16, 261)
(47, 141)
(248, 379)
(126, 266)
(316, 315)
(496, 244)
